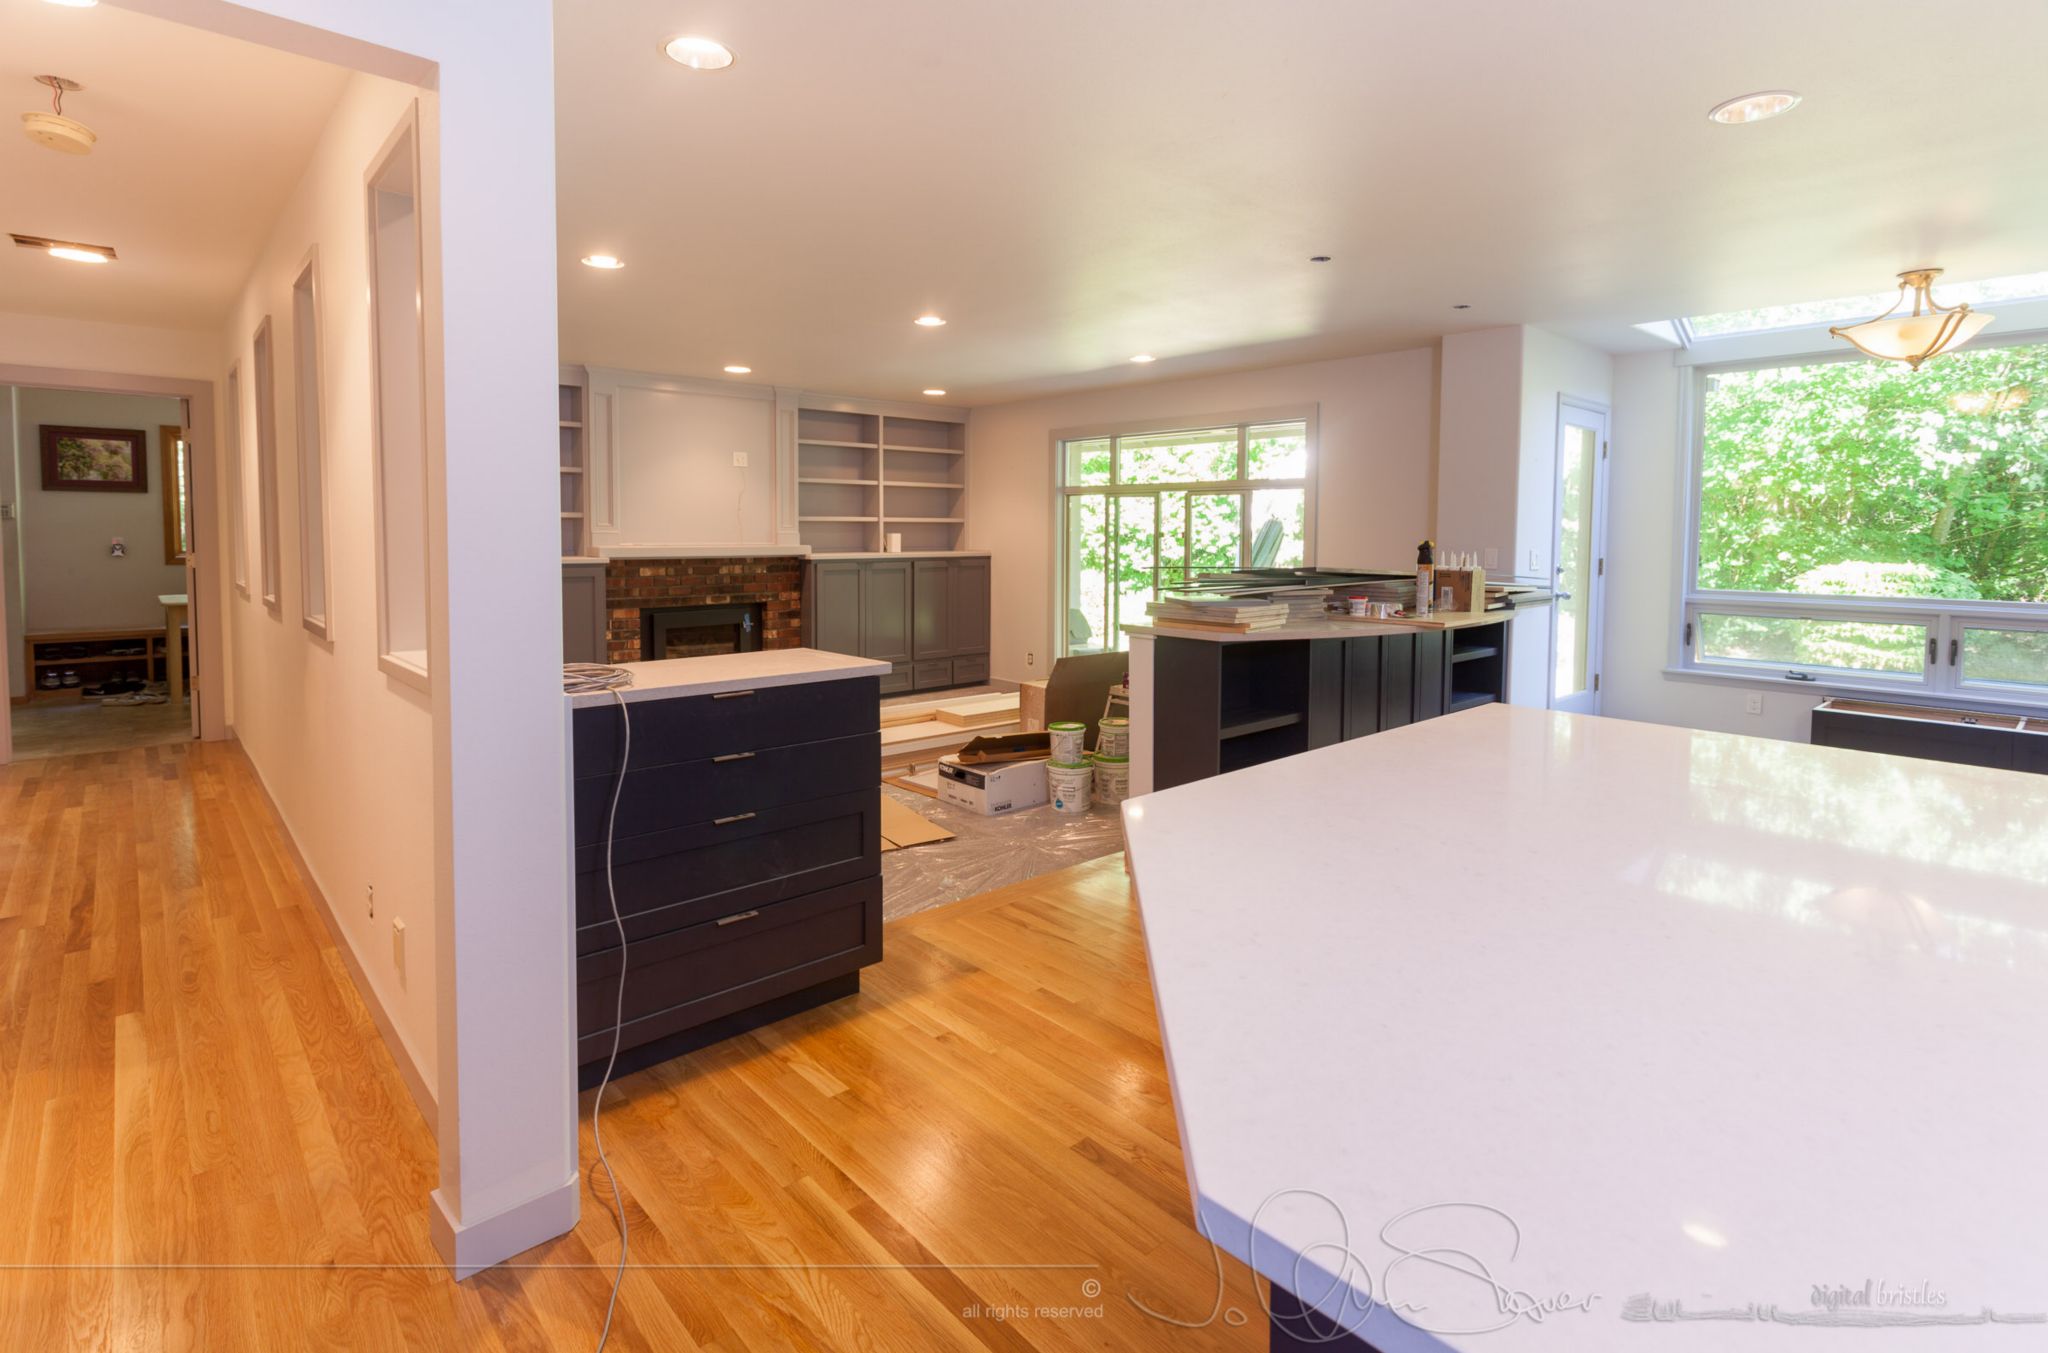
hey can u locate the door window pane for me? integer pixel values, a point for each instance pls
(1087, 572)
(1088, 462)
(1178, 457)
(1874, 647)
(1576, 469)
(1279, 537)
(2006, 657)
(1276, 451)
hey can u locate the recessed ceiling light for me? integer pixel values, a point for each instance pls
(930, 321)
(1753, 107)
(75, 4)
(698, 53)
(605, 261)
(935, 391)
(80, 254)
(739, 371)
(1144, 357)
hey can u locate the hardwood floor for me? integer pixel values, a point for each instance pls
(205, 1146)
(76, 727)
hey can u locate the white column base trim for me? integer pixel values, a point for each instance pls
(470, 1249)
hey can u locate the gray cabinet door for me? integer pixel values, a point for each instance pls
(970, 605)
(832, 608)
(931, 613)
(885, 610)
(584, 620)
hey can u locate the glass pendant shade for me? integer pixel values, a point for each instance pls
(1913, 338)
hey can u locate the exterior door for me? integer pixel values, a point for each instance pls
(1579, 547)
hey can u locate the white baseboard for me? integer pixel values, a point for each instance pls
(473, 1247)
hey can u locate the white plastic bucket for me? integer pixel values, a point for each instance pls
(1067, 743)
(1113, 737)
(1070, 786)
(1112, 779)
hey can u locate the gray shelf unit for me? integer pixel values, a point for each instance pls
(927, 617)
(861, 476)
(574, 399)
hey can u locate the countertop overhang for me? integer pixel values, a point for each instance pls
(670, 678)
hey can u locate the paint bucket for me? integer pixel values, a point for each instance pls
(1113, 737)
(1112, 779)
(1068, 740)
(1069, 786)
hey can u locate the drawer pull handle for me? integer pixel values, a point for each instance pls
(739, 916)
(734, 756)
(729, 695)
(728, 821)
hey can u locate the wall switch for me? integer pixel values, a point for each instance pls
(1755, 703)
(1535, 562)
(1031, 660)
(6, 511)
(398, 944)
(1492, 563)
(371, 891)
(739, 459)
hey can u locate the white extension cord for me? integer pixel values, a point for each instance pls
(583, 678)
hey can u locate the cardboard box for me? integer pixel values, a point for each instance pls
(1002, 787)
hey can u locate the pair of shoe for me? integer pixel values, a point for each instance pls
(71, 678)
(138, 698)
(49, 680)
(119, 685)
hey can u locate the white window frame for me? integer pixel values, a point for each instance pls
(1941, 673)
(309, 410)
(1241, 420)
(263, 370)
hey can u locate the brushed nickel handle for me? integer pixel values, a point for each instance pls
(739, 916)
(734, 756)
(726, 821)
(729, 695)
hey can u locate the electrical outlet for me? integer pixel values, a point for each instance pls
(1535, 562)
(1031, 660)
(371, 891)
(1755, 703)
(6, 511)
(739, 459)
(1492, 562)
(398, 944)
(120, 547)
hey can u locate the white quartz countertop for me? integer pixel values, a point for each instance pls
(671, 677)
(1681, 1022)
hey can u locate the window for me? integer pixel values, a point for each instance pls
(398, 356)
(1144, 511)
(1862, 524)
(266, 463)
(312, 471)
(238, 524)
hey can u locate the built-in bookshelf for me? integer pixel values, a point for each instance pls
(574, 465)
(862, 477)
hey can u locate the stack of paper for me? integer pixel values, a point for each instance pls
(1208, 612)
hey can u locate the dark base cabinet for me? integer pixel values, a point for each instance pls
(1962, 737)
(746, 864)
(926, 616)
(1219, 707)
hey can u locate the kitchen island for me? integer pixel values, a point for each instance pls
(747, 850)
(1685, 1042)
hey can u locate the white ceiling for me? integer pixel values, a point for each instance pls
(201, 139)
(1070, 182)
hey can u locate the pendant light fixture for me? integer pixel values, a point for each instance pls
(1913, 338)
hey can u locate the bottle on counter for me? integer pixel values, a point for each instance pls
(1425, 577)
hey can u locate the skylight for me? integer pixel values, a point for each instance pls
(1806, 314)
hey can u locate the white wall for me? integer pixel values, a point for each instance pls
(1645, 537)
(1479, 442)
(1553, 369)
(1377, 472)
(661, 461)
(355, 785)
(71, 578)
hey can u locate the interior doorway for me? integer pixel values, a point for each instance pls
(106, 494)
(1579, 547)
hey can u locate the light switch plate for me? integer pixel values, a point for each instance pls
(1755, 703)
(1492, 560)
(739, 459)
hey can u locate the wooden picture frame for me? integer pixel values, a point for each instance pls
(93, 459)
(176, 472)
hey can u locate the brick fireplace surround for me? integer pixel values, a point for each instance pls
(775, 582)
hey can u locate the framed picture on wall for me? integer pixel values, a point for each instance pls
(97, 460)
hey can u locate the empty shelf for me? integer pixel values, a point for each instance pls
(1243, 723)
(814, 441)
(821, 479)
(1477, 651)
(927, 450)
(1469, 700)
(835, 518)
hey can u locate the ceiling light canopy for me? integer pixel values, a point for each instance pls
(1768, 103)
(737, 370)
(1929, 330)
(1143, 358)
(930, 322)
(698, 53)
(935, 391)
(604, 261)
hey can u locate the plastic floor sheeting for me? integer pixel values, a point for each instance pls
(988, 852)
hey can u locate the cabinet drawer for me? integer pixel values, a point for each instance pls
(670, 879)
(693, 727)
(970, 671)
(896, 683)
(683, 793)
(927, 675)
(726, 964)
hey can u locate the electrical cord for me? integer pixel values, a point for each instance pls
(583, 678)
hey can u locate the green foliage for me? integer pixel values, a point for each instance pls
(1840, 476)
